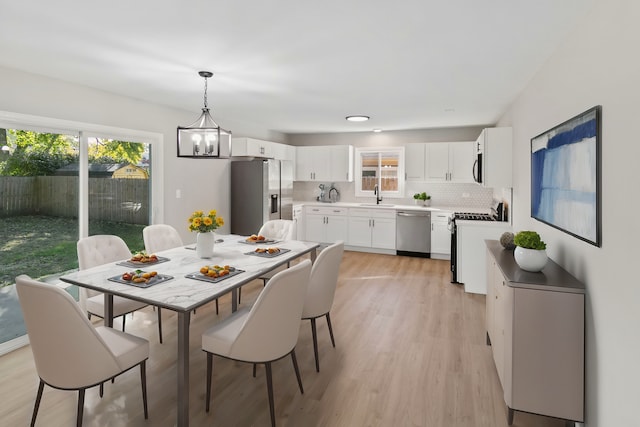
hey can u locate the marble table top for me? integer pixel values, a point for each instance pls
(184, 294)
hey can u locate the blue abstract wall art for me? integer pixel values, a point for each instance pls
(565, 176)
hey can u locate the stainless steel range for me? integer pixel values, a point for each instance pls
(497, 214)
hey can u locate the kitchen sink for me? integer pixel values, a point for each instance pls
(381, 205)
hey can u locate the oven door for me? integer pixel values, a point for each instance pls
(454, 251)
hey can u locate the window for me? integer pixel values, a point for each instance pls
(50, 194)
(381, 167)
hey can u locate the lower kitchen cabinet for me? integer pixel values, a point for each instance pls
(535, 326)
(369, 228)
(440, 235)
(325, 225)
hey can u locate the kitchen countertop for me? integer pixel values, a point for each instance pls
(391, 206)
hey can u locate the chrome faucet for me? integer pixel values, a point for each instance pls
(376, 191)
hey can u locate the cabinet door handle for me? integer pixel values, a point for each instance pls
(373, 223)
(432, 227)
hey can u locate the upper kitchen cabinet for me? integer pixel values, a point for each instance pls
(249, 147)
(493, 153)
(414, 161)
(449, 162)
(324, 163)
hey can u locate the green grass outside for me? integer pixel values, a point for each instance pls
(41, 245)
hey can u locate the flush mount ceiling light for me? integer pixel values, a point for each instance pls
(377, 130)
(357, 118)
(203, 138)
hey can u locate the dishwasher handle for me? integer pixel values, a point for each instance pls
(419, 214)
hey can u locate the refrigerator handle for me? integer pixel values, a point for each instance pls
(274, 203)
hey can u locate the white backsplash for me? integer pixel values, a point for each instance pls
(442, 194)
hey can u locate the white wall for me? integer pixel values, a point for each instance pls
(597, 65)
(204, 183)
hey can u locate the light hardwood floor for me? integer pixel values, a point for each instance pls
(410, 351)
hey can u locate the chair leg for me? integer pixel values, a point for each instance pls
(209, 373)
(101, 392)
(143, 381)
(270, 392)
(160, 324)
(37, 404)
(239, 294)
(80, 407)
(124, 318)
(330, 330)
(315, 343)
(295, 367)
(254, 370)
(217, 310)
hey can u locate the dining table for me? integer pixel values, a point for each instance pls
(179, 286)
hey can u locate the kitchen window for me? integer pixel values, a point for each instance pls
(381, 167)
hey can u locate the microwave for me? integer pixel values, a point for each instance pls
(478, 168)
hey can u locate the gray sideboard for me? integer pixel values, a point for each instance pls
(535, 326)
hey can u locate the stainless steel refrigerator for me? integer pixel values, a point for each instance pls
(260, 190)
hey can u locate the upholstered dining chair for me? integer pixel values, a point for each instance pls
(69, 353)
(264, 333)
(159, 237)
(321, 291)
(274, 229)
(103, 249)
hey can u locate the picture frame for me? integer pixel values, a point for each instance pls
(566, 176)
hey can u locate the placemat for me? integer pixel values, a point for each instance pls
(137, 264)
(158, 278)
(267, 254)
(258, 242)
(205, 278)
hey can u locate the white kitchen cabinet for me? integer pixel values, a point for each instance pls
(249, 147)
(299, 221)
(372, 228)
(535, 326)
(440, 235)
(332, 163)
(495, 145)
(284, 152)
(325, 224)
(449, 162)
(414, 158)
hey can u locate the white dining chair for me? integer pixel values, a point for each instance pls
(321, 291)
(264, 333)
(99, 250)
(69, 353)
(275, 229)
(160, 237)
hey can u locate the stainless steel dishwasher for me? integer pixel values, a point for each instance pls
(413, 233)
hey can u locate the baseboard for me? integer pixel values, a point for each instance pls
(14, 344)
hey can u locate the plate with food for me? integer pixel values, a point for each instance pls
(257, 239)
(268, 252)
(214, 273)
(142, 258)
(140, 278)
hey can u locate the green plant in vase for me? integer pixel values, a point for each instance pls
(530, 253)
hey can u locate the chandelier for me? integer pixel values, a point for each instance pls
(204, 138)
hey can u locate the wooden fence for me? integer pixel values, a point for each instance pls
(120, 200)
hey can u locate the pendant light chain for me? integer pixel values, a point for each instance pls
(205, 93)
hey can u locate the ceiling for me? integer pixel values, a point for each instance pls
(293, 66)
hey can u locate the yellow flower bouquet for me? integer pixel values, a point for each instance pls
(202, 223)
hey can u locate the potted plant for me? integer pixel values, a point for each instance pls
(530, 253)
(422, 198)
(204, 224)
